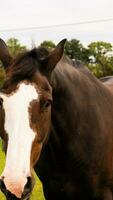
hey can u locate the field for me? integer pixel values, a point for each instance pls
(37, 192)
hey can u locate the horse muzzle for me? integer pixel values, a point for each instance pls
(16, 190)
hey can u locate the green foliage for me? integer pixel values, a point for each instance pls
(48, 44)
(98, 56)
(14, 46)
(75, 50)
(99, 48)
(101, 58)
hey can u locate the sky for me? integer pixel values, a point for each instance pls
(43, 15)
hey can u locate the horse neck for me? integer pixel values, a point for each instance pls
(74, 93)
(63, 85)
(74, 90)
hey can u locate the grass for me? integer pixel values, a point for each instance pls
(37, 193)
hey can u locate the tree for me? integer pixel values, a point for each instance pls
(100, 48)
(48, 44)
(101, 56)
(14, 46)
(75, 50)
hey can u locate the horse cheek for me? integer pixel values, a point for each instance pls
(35, 152)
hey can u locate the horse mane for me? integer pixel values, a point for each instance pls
(26, 64)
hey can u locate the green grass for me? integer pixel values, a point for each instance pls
(37, 193)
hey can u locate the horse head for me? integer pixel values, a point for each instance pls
(25, 114)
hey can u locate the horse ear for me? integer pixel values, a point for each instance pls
(5, 56)
(49, 63)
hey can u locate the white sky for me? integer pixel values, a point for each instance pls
(15, 14)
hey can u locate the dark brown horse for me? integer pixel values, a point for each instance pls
(59, 119)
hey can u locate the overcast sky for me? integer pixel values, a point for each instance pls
(17, 14)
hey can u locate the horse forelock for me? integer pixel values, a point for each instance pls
(25, 65)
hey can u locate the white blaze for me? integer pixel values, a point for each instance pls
(20, 134)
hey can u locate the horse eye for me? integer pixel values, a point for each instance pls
(45, 103)
(1, 102)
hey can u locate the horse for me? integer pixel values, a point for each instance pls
(57, 119)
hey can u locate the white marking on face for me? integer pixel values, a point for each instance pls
(20, 135)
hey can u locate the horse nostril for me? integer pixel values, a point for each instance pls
(28, 187)
(2, 186)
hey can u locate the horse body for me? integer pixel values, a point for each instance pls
(72, 147)
(76, 162)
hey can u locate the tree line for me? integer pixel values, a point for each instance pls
(97, 56)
